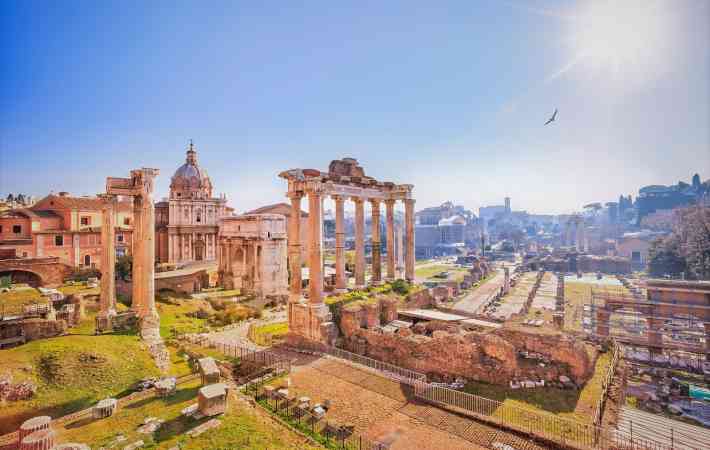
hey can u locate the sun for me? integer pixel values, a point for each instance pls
(627, 40)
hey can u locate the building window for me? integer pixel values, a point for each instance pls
(17, 229)
(59, 240)
(87, 260)
(85, 221)
(119, 237)
(24, 254)
(0, 228)
(199, 218)
(126, 220)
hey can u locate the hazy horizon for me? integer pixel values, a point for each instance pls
(451, 99)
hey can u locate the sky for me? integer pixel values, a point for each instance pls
(450, 96)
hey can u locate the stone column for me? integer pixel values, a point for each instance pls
(145, 262)
(341, 283)
(294, 246)
(138, 257)
(107, 301)
(315, 258)
(359, 243)
(409, 220)
(376, 250)
(389, 211)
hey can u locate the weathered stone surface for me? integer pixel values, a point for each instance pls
(42, 328)
(492, 357)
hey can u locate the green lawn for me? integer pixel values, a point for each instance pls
(429, 272)
(19, 297)
(242, 427)
(72, 372)
(275, 329)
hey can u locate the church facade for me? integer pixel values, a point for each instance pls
(187, 223)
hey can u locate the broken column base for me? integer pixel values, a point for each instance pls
(104, 321)
(150, 333)
(311, 322)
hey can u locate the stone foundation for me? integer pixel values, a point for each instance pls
(444, 352)
(312, 322)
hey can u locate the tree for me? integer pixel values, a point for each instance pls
(694, 231)
(124, 266)
(686, 249)
(665, 258)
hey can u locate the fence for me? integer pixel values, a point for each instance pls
(564, 432)
(328, 434)
(265, 359)
(391, 371)
(599, 409)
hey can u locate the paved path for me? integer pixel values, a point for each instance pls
(658, 428)
(473, 301)
(239, 334)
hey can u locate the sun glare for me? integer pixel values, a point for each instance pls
(629, 40)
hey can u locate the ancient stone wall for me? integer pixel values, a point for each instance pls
(444, 353)
(43, 328)
(418, 300)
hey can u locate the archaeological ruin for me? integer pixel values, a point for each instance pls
(252, 255)
(309, 318)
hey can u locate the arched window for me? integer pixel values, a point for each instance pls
(87, 260)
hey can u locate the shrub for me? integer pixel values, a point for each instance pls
(400, 287)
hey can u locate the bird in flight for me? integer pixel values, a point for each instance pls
(552, 119)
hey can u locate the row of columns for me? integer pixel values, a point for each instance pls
(315, 260)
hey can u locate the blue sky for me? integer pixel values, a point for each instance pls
(448, 96)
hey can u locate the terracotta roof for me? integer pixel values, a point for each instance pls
(277, 208)
(65, 202)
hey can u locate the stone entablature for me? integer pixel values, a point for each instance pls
(345, 180)
(252, 254)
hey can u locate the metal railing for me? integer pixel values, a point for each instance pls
(599, 409)
(391, 371)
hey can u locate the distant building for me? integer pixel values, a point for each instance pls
(187, 222)
(445, 230)
(284, 209)
(635, 246)
(63, 226)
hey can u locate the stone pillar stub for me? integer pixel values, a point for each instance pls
(341, 283)
(359, 243)
(315, 258)
(389, 215)
(409, 256)
(376, 249)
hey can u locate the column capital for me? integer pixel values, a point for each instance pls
(409, 201)
(338, 197)
(357, 200)
(375, 202)
(390, 202)
(295, 195)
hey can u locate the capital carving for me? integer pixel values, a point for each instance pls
(294, 195)
(390, 202)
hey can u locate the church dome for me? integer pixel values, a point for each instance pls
(190, 180)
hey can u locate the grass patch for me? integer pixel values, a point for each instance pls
(19, 297)
(275, 329)
(72, 373)
(430, 272)
(79, 288)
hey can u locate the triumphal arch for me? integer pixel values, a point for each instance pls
(345, 180)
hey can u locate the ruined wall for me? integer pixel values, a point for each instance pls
(491, 357)
(43, 328)
(418, 300)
